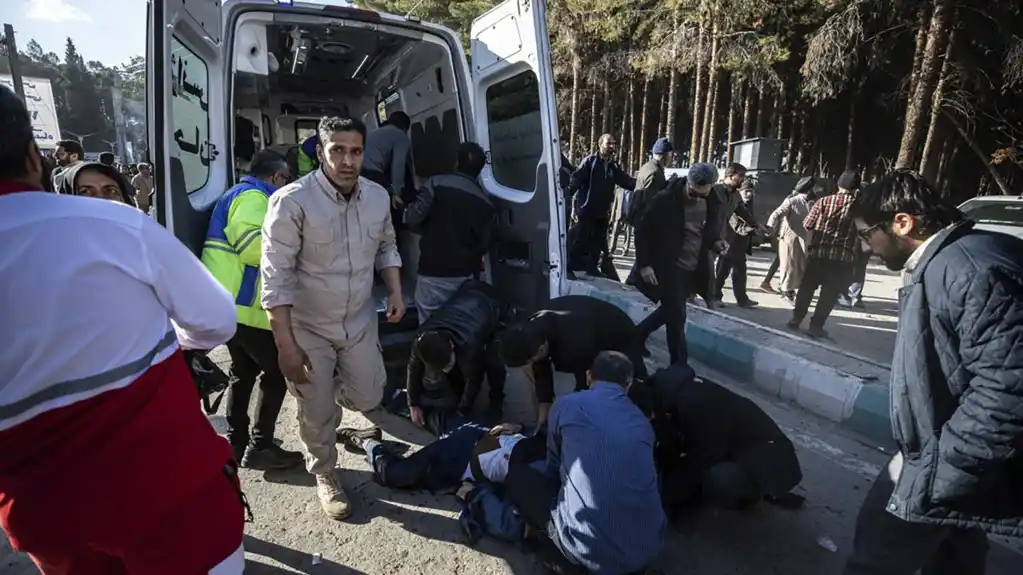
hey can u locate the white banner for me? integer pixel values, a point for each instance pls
(39, 99)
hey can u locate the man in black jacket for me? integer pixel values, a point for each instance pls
(673, 259)
(456, 220)
(714, 446)
(451, 355)
(594, 181)
(956, 386)
(566, 336)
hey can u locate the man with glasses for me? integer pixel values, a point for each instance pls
(831, 255)
(231, 253)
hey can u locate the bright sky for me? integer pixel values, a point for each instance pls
(111, 31)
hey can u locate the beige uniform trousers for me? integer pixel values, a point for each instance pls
(346, 374)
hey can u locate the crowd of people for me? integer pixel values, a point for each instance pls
(99, 424)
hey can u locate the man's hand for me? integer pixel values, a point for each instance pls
(396, 201)
(416, 414)
(506, 429)
(648, 275)
(395, 307)
(294, 363)
(721, 246)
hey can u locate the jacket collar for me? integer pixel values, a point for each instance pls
(934, 245)
(259, 184)
(331, 190)
(11, 187)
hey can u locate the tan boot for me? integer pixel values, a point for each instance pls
(332, 496)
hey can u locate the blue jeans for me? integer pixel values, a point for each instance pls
(439, 421)
(438, 465)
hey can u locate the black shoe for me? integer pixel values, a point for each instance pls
(786, 500)
(238, 451)
(748, 303)
(354, 438)
(794, 324)
(859, 304)
(269, 457)
(817, 332)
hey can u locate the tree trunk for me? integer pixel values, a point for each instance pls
(710, 100)
(929, 159)
(948, 152)
(710, 134)
(984, 158)
(694, 143)
(576, 65)
(850, 134)
(607, 116)
(780, 112)
(748, 112)
(672, 76)
(762, 113)
(643, 114)
(918, 110)
(795, 126)
(626, 128)
(593, 118)
(733, 112)
(662, 115)
(922, 26)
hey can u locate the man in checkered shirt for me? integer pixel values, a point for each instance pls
(833, 249)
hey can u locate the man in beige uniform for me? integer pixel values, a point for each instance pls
(322, 237)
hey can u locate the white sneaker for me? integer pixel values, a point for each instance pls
(332, 496)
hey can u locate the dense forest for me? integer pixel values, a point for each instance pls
(934, 85)
(83, 97)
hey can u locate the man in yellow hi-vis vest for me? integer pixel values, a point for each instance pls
(232, 253)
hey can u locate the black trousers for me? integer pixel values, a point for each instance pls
(832, 277)
(252, 351)
(859, 278)
(734, 265)
(673, 289)
(534, 494)
(589, 244)
(886, 545)
(773, 269)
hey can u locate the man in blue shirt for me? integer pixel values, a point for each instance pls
(596, 496)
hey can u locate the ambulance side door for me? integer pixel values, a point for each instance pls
(515, 121)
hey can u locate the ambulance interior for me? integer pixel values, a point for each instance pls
(292, 70)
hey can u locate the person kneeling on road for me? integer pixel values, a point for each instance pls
(453, 352)
(715, 446)
(470, 452)
(566, 336)
(595, 499)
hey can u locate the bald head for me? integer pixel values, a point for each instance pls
(607, 145)
(611, 367)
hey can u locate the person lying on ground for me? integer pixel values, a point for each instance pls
(471, 452)
(715, 447)
(593, 503)
(566, 336)
(451, 355)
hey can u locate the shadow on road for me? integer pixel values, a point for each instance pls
(297, 561)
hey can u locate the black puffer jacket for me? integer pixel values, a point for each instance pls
(957, 384)
(471, 318)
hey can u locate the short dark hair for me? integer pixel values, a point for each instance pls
(331, 124)
(471, 158)
(267, 163)
(72, 147)
(904, 191)
(107, 158)
(734, 169)
(613, 367)
(400, 119)
(521, 342)
(16, 143)
(434, 348)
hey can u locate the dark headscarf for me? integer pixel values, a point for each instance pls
(70, 175)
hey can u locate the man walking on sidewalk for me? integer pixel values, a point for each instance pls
(739, 234)
(232, 254)
(322, 238)
(956, 387)
(831, 256)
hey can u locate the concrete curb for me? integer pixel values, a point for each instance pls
(851, 392)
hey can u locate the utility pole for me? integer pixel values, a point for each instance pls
(9, 46)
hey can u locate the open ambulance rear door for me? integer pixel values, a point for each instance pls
(515, 119)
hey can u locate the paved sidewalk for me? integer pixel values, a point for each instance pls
(868, 333)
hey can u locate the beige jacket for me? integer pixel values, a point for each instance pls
(319, 253)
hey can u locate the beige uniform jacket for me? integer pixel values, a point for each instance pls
(320, 251)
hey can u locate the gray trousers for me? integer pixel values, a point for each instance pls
(887, 545)
(433, 292)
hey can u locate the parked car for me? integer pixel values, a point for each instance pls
(996, 213)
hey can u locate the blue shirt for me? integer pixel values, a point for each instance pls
(608, 515)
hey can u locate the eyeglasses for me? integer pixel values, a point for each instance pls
(865, 233)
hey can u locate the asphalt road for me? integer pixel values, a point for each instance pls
(395, 532)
